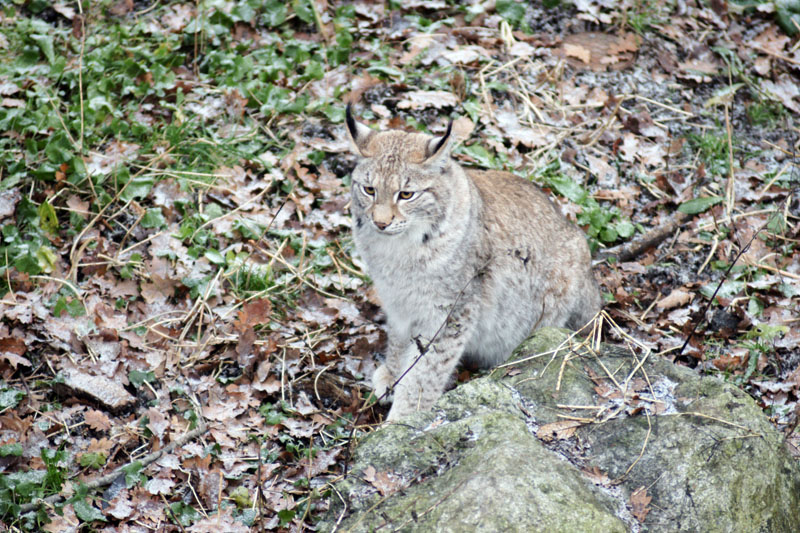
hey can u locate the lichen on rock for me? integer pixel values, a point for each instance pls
(701, 450)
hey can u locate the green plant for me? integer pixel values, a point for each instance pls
(763, 112)
(602, 224)
(712, 148)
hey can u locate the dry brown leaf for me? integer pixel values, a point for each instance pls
(254, 313)
(728, 362)
(120, 507)
(299, 428)
(463, 128)
(68, 12)
(606, 175)
(103, 445)
(178, 16)
(15, 360)
(159, 485)
(101, 389)
(786, 90)
(465, 55)
(629, 147)
(652, 155)
(418, 44)
(220, 521)
(563, 429)
(13, 345)
(8, 201)
(97, 420)
(12, 102)
(578, 51)
(698, 69)
(8, 88)
(423, 99)
(598, 50)
(385, 482)
(121, 8)
(639, 502)
(675, 298)
(159, 423)
(627, 42)
(771, 40)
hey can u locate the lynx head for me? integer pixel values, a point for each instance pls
(402, 182)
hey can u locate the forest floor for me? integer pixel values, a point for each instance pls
(176, 269)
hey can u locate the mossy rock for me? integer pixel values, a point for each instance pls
(483, 459)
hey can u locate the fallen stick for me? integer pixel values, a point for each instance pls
(654, 237)
(120, 471)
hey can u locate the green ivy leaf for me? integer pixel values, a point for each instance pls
(699, 205)
(133, 474)
(512, 11)
(185, 514)
(14, 450)
(46, 258)
(153, 218)
(9, 398)
(568, 188)
(624, 228)
(93, 460)
(47, 218)
(274, 13)
(480, 154)
(214, 257)
(137, 377)
(729, 289)
(87, 512)
(137, 188)
(45, 43)
(304, 10)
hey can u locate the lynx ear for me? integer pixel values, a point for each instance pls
(357, 133)
(439, 147)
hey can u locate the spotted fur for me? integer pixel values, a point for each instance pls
(472, 260)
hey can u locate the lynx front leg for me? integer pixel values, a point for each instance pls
(427, 375)
(386, 374)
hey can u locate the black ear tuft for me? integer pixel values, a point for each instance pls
(443, 139)
(351, 122)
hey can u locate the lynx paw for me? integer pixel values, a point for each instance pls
(382, 380)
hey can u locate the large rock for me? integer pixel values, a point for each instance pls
(576, 441)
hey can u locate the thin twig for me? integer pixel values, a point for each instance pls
(719, 286)
(120, 471)
(423, 350)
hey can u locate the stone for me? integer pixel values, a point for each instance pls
(576, 440)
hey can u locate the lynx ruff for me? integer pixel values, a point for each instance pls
(466, 262)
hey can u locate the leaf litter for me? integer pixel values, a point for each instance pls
(176, 249)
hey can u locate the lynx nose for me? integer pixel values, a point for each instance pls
(381, 225)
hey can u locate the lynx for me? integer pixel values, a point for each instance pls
(466, 262)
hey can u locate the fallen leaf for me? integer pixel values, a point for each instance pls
(606, 175)
(675, 298)
(563, 429)
(423, 99)
(97, 420)
(68, 12)
(578, 51)
(158, 423)
(785, 90)
(99, 388)
(728, 362)
(385, 482)
(639, 502)
(159, 486)
(254, 313)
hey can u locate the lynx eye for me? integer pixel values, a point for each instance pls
(405, 195)
(370, 191)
